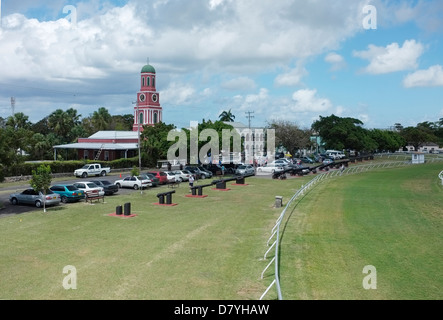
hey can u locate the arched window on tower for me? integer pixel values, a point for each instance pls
(140, 118)
(147, 81)
(155, 117)
(153, 82)
(143, 81)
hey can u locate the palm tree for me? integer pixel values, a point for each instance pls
(101, 119)
(227, 116)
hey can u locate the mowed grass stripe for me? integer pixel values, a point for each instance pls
(391, 219)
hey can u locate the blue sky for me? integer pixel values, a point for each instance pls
(284, 60)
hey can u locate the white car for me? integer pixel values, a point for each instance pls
(89, 186)
(182, 175)
(171, 176)
(134, 182)
(280, 163)
(270, 169)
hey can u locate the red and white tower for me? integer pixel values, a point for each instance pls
(147, 110)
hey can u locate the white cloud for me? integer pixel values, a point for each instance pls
(431, 77)
(291, 78)
(337, 61)
(306, 100)
(391, 58)
(240, 83)
(178, 94)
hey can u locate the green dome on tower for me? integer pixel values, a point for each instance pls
(148, 69)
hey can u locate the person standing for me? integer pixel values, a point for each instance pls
(191, 182)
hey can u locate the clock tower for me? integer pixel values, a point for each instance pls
(147, 110)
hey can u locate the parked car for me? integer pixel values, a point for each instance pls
(107, 186)
(214, 168)
(328, 161)
(87, 186)
(68, 192)
(94, 169)
(195, 172)
(161, 176)
(307, 160)
(171, 176)
(245, 170)
(30, 196)
(280, 163)
(183, 175)
(270, 169)
(201, 174)
(208, 174)
(135, 182)
(154, 180)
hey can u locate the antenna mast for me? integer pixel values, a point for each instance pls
(13, 105)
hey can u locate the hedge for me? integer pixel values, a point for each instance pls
(25, 169)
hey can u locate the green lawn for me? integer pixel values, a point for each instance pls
(208, 248)
(390, 219)
(213, 248)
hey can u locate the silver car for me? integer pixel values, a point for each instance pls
(245, 170)
(30, 196)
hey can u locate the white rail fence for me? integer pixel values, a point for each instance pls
(275, 232)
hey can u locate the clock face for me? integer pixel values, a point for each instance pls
(154, 98)
(142, 97)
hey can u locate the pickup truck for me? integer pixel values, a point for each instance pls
(92, 170)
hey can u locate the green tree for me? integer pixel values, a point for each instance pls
(290, 136)
(387, 140)
(41, 181)
(122, 122)
(226, 116)
(64, 124)
(344, 133)
(19, 121)
(101, 119)
(416, 136)
(154, 142)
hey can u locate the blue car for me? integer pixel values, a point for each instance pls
(68, 192)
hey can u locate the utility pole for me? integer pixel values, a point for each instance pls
(249, 117)
(139, 149)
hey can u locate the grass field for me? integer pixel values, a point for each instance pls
(389, 219)
(213, 248)
(200, 249)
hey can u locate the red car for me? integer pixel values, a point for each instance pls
(162, 177)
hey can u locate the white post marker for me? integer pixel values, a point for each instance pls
(441, 177)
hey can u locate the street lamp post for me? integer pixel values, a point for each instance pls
(138, 134)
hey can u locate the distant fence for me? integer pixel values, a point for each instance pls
(275, 232)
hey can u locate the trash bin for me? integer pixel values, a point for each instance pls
(127, 209)
(119, 210)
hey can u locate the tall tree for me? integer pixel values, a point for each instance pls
(416, 136)
(226, 116)
(63, 123)
(101, 119)
(343, 133)
(154, 142)
(290, 135)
